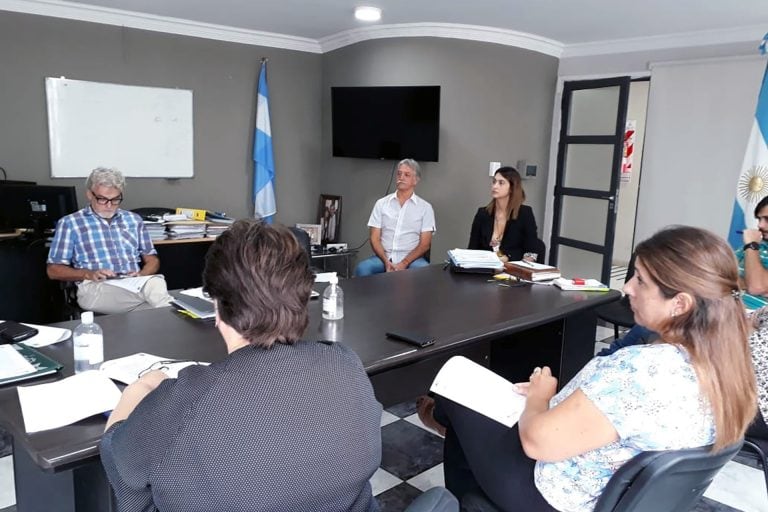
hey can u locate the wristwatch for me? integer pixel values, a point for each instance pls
(752, 245)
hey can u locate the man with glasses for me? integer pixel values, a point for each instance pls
(401, 226)
(100, 243)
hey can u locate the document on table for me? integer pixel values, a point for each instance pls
(128, 369)
(46, 336)
(12, 363)
(478, 388)
(67, 401)
(132, 284)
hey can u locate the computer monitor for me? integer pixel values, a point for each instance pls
(36, 207)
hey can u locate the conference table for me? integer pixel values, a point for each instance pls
(508, 328)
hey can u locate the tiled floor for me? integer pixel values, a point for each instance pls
(412, 463)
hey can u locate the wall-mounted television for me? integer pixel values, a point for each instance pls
(388, 123)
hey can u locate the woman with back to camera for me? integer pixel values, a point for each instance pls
(279, 424)
(505, 226)
(693, 386)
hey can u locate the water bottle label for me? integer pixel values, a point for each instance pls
(90, 347)
(329, 306)
(96, 351)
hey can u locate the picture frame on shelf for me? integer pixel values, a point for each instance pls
(315, 232)
(329, 216)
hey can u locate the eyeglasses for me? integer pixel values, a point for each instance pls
(108, 200)
(164, 366)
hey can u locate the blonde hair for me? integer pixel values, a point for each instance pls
(715, 329)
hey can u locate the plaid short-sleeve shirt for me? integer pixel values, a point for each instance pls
(85, 240)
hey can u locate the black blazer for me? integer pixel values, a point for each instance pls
(519, 235)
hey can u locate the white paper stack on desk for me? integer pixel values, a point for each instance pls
(179, 230)
(470, 259)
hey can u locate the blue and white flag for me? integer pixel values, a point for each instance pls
(753, 181)
(263, 160)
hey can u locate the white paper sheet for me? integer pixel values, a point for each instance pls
(67, 401)
(128, 369)
(324, 277)
(46, 336)
(132, 284)
(195, 292)
(478, 388)
(12, 363)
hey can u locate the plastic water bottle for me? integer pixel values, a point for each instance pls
(88, 341)
(333, 300)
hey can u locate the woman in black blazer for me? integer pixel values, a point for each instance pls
(505, 225)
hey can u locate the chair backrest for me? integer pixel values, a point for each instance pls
(663, 481)
(541, 251)
(303, 239)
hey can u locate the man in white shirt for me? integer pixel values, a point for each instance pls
(401, 225)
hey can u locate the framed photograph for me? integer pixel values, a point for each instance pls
(315, 232)
(329, 216)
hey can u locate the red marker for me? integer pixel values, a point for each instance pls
(577, 281)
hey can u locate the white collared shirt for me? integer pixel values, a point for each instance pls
(401, 226)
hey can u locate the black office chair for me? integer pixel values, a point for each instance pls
(541, 251)
(663, 481)
(619, 313)
(660, 481)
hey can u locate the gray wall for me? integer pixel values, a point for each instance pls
(496, 105)
(223, 78)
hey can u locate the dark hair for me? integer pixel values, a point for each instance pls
(762, 204)
(259, 276)
(714, 331)
(516, 192)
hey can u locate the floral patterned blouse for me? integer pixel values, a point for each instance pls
(650, 394)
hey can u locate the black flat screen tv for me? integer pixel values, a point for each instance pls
(36, 207)
(387, 123)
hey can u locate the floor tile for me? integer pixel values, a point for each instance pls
(433, 477)
(7, 489)
(387, 418)
(382, 481)
(740, 487)
(708, 505)
(397, 498)
(404, 409)
(414, 419)
(407, 450)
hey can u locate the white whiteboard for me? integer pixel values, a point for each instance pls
(142, 131)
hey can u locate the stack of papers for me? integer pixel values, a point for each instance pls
(155, 228)
(214, 229)
(473, 259)
(179, 230)
(531, 271)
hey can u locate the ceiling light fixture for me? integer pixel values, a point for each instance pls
(366, 13)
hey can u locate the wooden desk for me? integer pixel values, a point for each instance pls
(466, 314)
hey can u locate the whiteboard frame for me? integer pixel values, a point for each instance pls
(145, 132)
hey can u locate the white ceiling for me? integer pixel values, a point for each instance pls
(547, 25)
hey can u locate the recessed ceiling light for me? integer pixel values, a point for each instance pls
(365, 13)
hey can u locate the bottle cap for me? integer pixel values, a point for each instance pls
(87, 317)
(334, 279)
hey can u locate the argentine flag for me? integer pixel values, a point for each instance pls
(753, 181)
(263, 161)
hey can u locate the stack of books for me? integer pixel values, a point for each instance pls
(584, 285)
(214, 229)
(531, 271)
